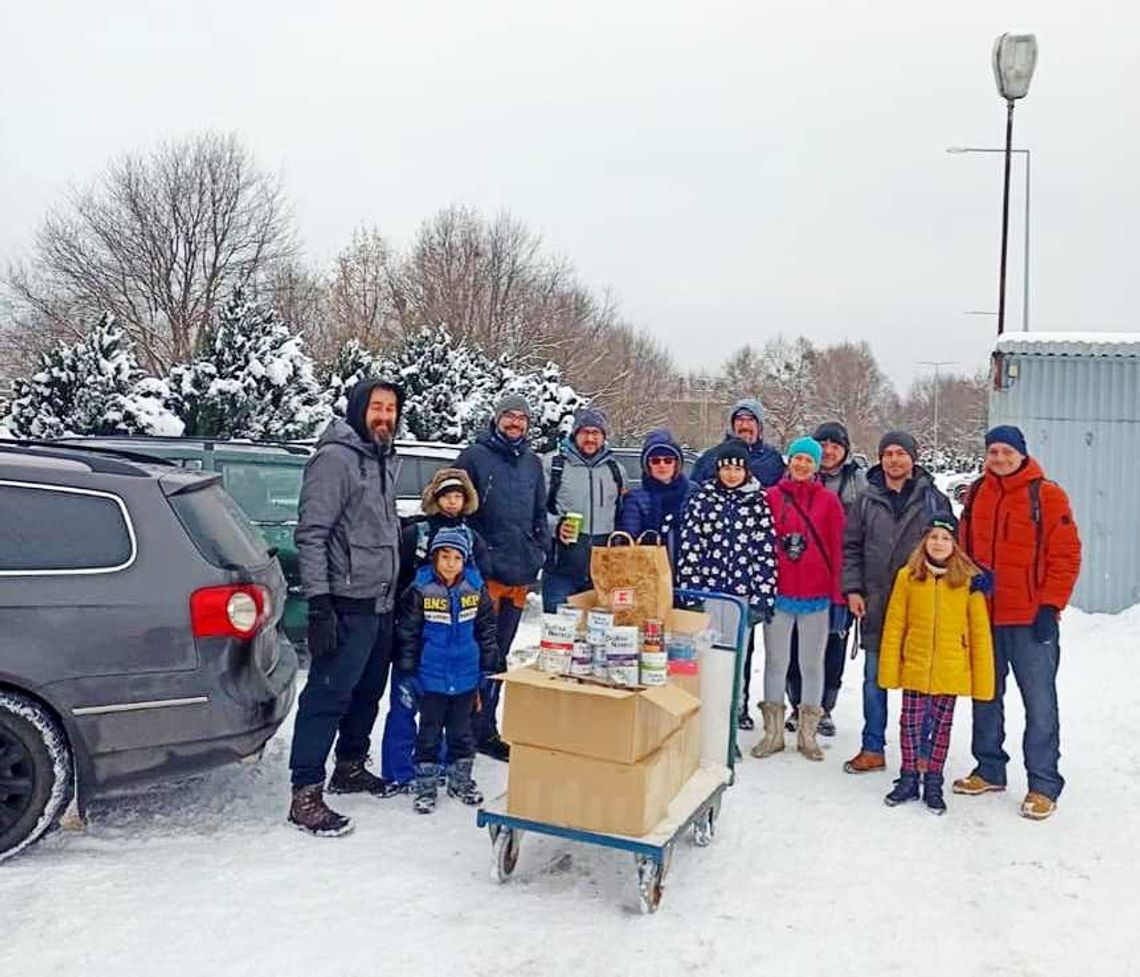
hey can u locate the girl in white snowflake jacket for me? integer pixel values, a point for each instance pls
(728, 543)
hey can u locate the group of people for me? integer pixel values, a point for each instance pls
(813, 545)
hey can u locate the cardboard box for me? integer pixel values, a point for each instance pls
(621, 725)
(600, 795)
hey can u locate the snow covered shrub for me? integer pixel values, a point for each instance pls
(94, 386)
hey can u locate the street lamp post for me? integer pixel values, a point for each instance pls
(1015, 57)
(1025, 266)
(937, 364)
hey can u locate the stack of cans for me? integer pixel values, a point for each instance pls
(654, 657)
(598, 625)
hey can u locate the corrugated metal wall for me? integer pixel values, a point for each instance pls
(1081, 418)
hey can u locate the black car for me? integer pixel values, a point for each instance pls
(140, 630)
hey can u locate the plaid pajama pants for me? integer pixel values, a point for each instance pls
(915, 706)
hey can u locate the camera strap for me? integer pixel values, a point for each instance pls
(810, 527)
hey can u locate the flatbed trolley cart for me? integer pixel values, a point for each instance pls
(696, 807)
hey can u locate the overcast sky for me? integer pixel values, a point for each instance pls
(731, 170)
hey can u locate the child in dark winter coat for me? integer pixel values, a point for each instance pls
(727, 542)
(445, 641)
(936, 645)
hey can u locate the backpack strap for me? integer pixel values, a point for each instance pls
(619, 475)
(557, 464)
(967, 508)
(1035, 515)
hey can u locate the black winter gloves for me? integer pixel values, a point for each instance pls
(322, 627)
(1045, 627)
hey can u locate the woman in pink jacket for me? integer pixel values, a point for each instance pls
(809, 532)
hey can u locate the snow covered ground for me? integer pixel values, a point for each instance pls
(809, 873)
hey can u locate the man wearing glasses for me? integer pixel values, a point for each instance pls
(511, 518)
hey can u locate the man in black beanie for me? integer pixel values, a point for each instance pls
(884, 526)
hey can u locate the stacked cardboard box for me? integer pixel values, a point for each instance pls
(594, 757)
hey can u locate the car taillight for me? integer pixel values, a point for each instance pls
(229, 612)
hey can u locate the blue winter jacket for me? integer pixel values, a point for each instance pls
(446, 635)
(766, 463)
(654, 505)
(511, 516)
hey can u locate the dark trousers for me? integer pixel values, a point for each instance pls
(556, 587)
(1034, 665)
(486, 721)
(834, 658)
(448, 715)
(342, 696)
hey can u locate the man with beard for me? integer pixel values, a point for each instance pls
(511, 517)
(348, 546)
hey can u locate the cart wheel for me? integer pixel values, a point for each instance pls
(505, 854)
(704, 828)
(493, 830)
(650, 882)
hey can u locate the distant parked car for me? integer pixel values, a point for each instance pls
(140, 629)
(265, 480)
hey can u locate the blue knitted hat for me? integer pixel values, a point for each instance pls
(456, 539)
(1007, 434)
(806, 446)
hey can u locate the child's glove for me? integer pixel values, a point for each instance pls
(410, 691)
(1045, 627)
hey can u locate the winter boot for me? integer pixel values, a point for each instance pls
(826, 723)
(427, 785)
(351, 777)
(310, 813)
(805, 736)
(932, 793)
(773, 739)
(744, 720)
(496, 749)
(905, 789)
(793, 719)
(865, 762)
(461, 784)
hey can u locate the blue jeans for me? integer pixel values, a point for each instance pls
(342, 696)
(1035, 668)
(875, 711)
(556, 587)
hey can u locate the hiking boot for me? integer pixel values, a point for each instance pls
(1037, 807)
(905, 789)
(793, 720)
(461, 785)
(773, 739)
(826, 724)
(427, 786)
(496, 749)
(351, 777)
(308, 812)
(744, 720)
(806, 742)
(932, 793)
(974, 784)
(865, 762)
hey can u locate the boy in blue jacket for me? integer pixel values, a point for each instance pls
(445, 640)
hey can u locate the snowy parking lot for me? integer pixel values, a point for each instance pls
(809, 873)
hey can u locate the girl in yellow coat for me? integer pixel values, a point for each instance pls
(936, 645)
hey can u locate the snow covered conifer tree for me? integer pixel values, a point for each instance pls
(352, 363)
(93, 386)
(552, 401)
(253, 380)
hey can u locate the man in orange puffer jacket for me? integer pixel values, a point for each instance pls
(1019, 526)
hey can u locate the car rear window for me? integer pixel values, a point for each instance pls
(267, 493)
(56, 529)
(219, 528)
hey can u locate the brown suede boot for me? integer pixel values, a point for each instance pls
(773, 739)
(805, 736)
(865, 762)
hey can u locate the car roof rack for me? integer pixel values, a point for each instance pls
(223, 441)
(104, 456)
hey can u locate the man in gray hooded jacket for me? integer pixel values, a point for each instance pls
(348, 548)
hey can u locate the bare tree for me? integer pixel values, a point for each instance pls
(155, 241)
(850, 387)
(957, 442)
(781, 375)
(365, 294)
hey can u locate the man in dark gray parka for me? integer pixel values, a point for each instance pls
(348, 547)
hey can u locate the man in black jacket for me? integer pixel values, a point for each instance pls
(348, 541)
(511, 518)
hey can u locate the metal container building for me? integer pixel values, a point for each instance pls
(1077, 398)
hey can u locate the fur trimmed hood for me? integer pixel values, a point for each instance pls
(428, 502)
